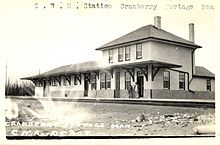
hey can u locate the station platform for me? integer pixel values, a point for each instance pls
(201, 103)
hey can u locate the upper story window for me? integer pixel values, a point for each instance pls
(127, 80)
(127, 53)
(93, 82)
(208, 84)
(111, 54)
(166, 80)
(120, 54)
(139, 51)
(182, 81)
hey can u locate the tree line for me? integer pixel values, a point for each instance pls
(24, 88)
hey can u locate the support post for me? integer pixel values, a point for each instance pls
(87, 76)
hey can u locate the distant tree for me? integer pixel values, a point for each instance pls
(19, 89)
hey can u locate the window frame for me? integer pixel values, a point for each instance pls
(137, 51)
(166, 80)
(111, 56)
(127, 81)
(102, 81)
(208, 84)
(93, 82)
(120, 54)
(182, 81)
(127, 52)
(105, 80)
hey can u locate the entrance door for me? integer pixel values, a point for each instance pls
(45, 88)
(86, 87)
(140, 86)
(117, 85)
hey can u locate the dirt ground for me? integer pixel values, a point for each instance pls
(47, 118)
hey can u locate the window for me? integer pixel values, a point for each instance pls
(105, 80)
(120, 54)
(102, 81)
(138, 51)
(166, 80)
(127, 53)
(53, 82)
(182, 81)
(111, 53)
(127, 80)
(93, 82)
(108, 81)
(208, 84)
(75, 80)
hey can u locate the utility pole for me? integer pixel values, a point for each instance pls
(6, 77)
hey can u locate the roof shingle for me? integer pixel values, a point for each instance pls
(94, 66)
(203, 72)
(68, 69)
(147, 32)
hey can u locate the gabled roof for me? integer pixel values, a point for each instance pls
(203, 72)
(147, 32)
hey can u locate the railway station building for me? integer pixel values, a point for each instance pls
(153, 62)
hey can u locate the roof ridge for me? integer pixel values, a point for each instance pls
(145, 32)
(125, 35)
(177, 36)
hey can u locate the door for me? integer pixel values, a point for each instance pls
(86, 87)
(140, 86)
(117, 85)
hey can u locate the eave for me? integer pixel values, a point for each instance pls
(147, 40)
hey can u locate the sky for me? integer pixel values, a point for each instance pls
(35, 39)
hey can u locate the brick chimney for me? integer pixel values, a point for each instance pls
(157, 22)
(191, 32)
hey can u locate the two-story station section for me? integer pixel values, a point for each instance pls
(158, 63)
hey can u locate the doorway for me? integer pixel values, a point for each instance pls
(140, 85)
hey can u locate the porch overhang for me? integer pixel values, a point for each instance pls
(130, 67)
(143, 66)
(64, 73)
(144, 63)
